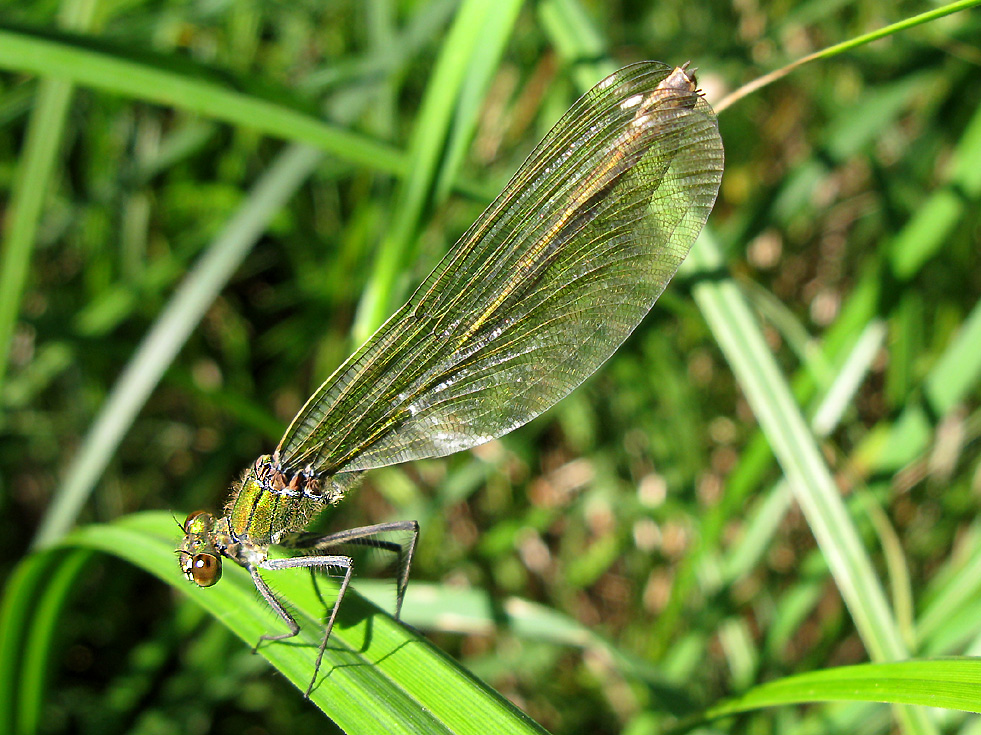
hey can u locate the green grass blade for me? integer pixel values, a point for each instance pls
(959, 367)
(189, 87)
(377, 675)
(895, 28)
(15, 613)
(952, 683)
(46, 619)
(34, 598)
(954, 375)
(764, 522)
(958, 589)
(739, 337)
(854, 370)
(576, 39)
(33, 184)
(741, 340)
(925, 234)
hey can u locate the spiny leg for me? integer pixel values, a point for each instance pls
(311, 542)
(363, 537)
(260, 584)
(344, 562)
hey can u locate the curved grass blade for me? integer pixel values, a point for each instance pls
(33, 608)
(377, 675)
(184, 85)
(950, 683)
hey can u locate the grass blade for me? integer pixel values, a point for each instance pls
(34, 174)
(377, 675)
(950, 683)
(190, 87)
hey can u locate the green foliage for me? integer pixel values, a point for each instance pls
(769, 496)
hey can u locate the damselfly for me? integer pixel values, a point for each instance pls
(535, 296)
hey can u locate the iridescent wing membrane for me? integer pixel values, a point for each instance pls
(538, 293)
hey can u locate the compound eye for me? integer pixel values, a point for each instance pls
(205, 569)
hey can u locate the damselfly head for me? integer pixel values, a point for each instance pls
(199, 560)
(678, 91)
(681, 85)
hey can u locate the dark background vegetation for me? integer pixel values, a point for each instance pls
(654, 464)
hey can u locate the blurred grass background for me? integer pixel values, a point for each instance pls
(646, 507)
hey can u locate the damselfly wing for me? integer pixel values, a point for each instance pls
(536, 295)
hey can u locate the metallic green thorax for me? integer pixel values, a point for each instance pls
(267, 503)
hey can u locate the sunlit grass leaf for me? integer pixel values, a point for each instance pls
(377, 675)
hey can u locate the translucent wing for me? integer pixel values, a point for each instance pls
(539, 292)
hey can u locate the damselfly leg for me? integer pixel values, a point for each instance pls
(312, 545)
